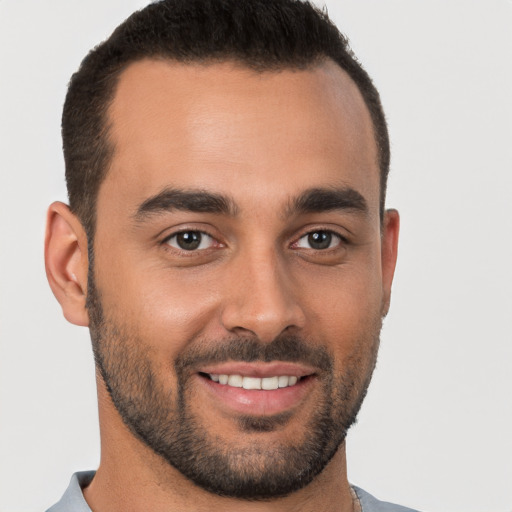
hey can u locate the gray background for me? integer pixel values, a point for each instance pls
(436, 429)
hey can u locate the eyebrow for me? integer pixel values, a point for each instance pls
(171, 199)
(314, 200)
(318, 200)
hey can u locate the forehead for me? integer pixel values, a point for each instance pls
(228, 129)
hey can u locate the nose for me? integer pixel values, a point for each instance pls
(261, 298)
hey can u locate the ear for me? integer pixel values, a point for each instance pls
(389, 251)
(66, 262)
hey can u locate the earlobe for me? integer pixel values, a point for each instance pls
(66, 262)
(389, 252)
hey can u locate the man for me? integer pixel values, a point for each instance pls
(228, 246)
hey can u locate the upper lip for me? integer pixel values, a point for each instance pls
(259, 369)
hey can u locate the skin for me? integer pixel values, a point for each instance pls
(261, 139)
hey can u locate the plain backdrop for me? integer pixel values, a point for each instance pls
(435, 432)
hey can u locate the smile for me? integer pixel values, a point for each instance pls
(257, 388)
(246, 382)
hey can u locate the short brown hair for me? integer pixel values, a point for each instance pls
(264, 35)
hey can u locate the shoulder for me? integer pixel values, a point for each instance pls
(73, 499)
(372, 504)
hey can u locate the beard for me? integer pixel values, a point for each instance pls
(164, 419)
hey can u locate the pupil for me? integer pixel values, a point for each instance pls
(320, 240)
(189, 240)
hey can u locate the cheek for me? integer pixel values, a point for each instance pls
(164, 308)
(344, 307)
(176, 316)
(349, 293)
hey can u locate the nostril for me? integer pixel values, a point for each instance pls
(261, 301)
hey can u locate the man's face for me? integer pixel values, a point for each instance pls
(239, 282)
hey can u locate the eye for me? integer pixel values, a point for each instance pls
(190, 240)
(319, 240)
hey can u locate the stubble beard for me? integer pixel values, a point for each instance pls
(164, 421)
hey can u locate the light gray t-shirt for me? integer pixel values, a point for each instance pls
(73, 499)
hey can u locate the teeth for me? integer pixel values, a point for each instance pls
(283, 381)
(270, 383)
(235, 380)
(251, 383)
(267, 383)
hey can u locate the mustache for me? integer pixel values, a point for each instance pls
(289, 348)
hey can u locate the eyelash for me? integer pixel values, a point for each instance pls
(331, 234)
(166, 241)
(342, 240)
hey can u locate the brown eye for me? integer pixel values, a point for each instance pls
(190, 240)
(319, 240)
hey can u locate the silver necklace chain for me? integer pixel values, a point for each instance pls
(356, 504)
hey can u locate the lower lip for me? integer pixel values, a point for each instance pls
(258, 402)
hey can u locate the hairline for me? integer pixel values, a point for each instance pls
(115, 77)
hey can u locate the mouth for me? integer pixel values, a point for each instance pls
(246, 382)
(258, 389)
